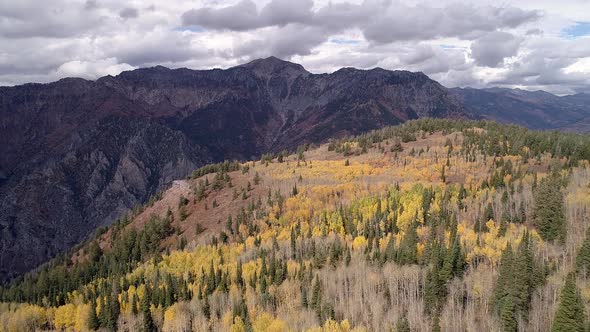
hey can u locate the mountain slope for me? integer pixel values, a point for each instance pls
(77, 154)
(424, 222)
(532, 109)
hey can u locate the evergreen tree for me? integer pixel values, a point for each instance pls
(93, 323)
(570, 312)
(316, 295)
(111, 313)
(408, 251)
(508, 315)
(402, 324)
(134, 304)
(239, 277)
(549, 209)
(304, 302)
(293, 243)
(518, 277)
(583, 257)
(148, 323)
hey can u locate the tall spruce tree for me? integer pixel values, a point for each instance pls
(569, 316)
(93, 323)
(148, 322)
(518, 277)
(402, 324)
(549, 209)
(508, 315)
(408, 251)
(583, 257)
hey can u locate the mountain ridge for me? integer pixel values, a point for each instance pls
(79, 153)
(95, 149)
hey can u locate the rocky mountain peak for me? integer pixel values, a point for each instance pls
(273, 66)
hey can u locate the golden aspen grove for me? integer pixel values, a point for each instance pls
(432, 225)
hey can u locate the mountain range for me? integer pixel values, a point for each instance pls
(78, 154)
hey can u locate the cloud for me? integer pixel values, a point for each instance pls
(91, 69)
(244, 15)
(27, 19)
(380, 21)
(129, 12)
(91, 4)
(155, 47)
(491, 49)
(284, 42)
(239, 17)
(460, 20)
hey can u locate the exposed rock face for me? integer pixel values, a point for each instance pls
(76, 154)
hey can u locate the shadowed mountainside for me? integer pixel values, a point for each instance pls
(77, 154)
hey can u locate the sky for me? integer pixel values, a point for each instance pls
(528, 44)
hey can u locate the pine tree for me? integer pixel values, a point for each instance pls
(408, 251)
(111, 313)
(93, 323)
(508, 315)
(316, 295)
(134, 305)
(402, 324)
(304, 302)
(239, 277)
(103, 315)
(148, 323)
(549, 210)
(518, 277)
(570, 312)
(583, 257)
(293, 243)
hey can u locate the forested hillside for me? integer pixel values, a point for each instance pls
(433, 225)
(76, 154)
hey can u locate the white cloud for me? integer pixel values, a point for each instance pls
(91, 69)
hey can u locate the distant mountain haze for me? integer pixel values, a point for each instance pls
(77, 154)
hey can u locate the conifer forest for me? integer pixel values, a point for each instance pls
(431, 225)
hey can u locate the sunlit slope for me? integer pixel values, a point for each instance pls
(435, 225)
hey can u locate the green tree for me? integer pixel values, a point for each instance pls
(569, 316)
(408, 250)
(583, 257)
(93, 323)
(508, 315)
(316, 295)
(402, 324)
(148, 322)
(549, 210)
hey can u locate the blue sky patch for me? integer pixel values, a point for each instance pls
(577, 30)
